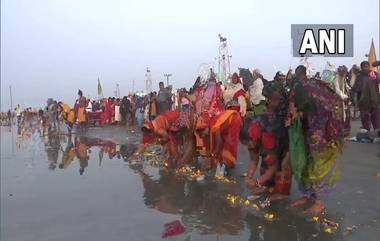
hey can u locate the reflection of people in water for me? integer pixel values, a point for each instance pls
(52, 147)
(68, 155)
(101, 153)
(82, 148)
(110, 148)
(127, 150)
(203, 207)
(82, 154)
(165, 195)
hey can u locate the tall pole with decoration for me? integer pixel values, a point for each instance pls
(117, 91)
(224, 68)
(148, 81)
(100, 90)
(167, 78)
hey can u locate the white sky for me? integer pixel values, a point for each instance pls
(50, 48)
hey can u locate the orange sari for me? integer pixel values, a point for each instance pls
(81, 115)
(228, 124)
(165, 120)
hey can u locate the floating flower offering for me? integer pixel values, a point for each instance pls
(224, 179)
(329, 226)
(269, 217)
(190, 172)
(349, 230)
(233, 199)
(255, 206)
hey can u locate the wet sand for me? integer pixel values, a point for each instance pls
(45, 197)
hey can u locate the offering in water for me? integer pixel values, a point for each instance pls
(269, 217)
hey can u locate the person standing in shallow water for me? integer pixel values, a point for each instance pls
(80, 111)
(316, 135)
(152, 106)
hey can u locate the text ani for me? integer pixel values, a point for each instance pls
(332, 40)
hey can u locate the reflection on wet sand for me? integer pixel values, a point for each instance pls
(202, 206)
(69, 146)
(52, 148)
(80, 148)
(287, 226)
(205, 210)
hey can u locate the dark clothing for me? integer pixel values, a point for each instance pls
(359, 83)
(96, 106)
(9, 114)
(367, 90)
(164, 101)
(125, 108)
(368, 94)
(370, 117)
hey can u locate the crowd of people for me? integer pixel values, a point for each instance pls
(295, 124)
(130, 110)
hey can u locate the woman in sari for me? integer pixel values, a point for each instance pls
(266, 137)
(112, 110)
(117, 111)
(158, 130)
(106, 115)
(67, 114)
(235, 95)
(208, 102)
(80, 110)
(152, 106)
(224, 140)
(316, 117)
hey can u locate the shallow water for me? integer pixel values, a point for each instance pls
(80, 188)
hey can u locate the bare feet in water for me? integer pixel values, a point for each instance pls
(317, 209)
(299, 202)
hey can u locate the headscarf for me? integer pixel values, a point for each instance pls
(272, 90)
(275, 90)
(235, 75)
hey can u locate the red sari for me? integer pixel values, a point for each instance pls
(112, 111)
(208, 105)
(106, 116)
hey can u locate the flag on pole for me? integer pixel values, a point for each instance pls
(100, 90)
(372, 56)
